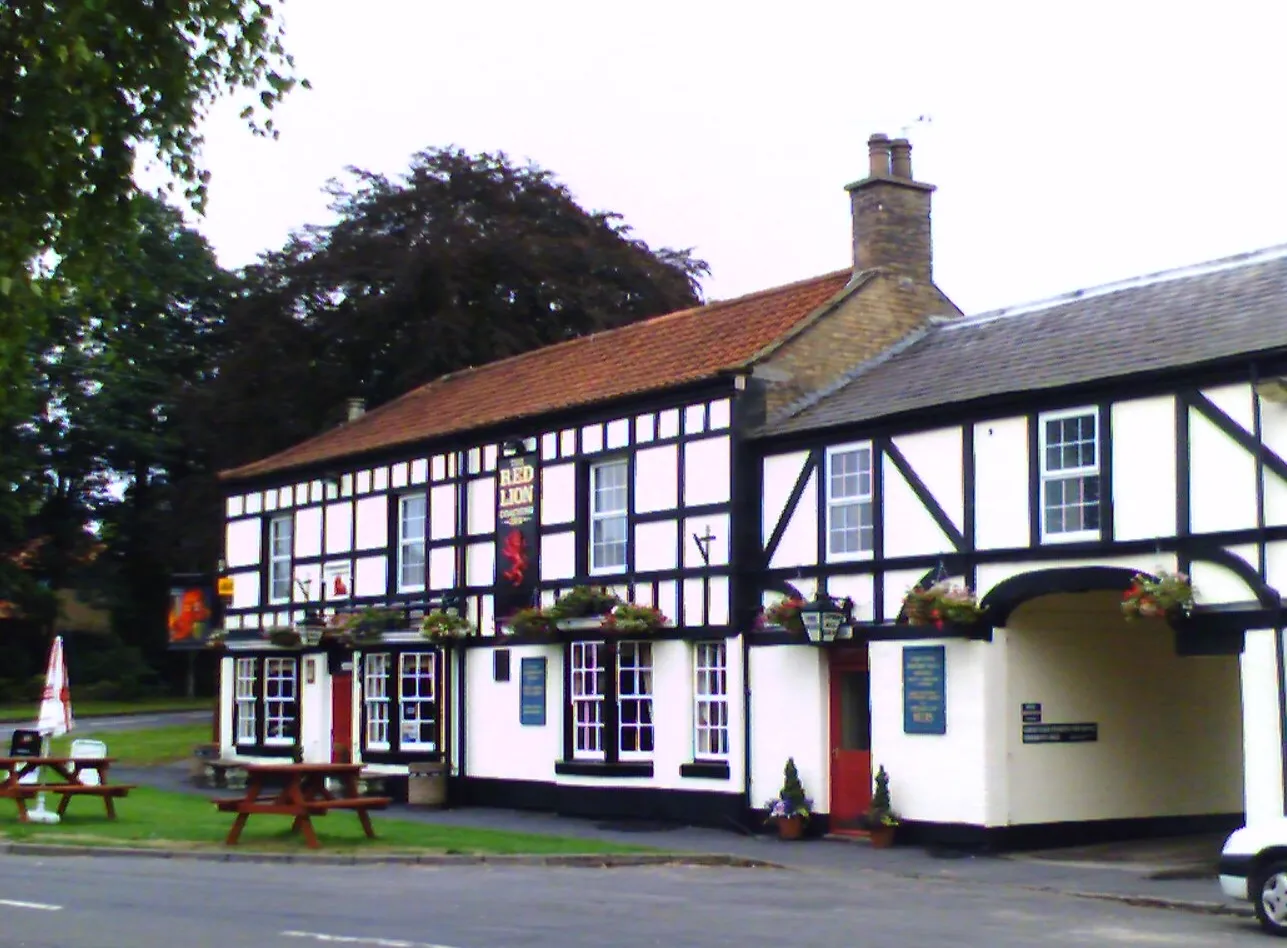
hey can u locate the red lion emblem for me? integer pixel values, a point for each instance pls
(514, 549)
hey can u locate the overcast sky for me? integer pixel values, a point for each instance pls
(1072, 143)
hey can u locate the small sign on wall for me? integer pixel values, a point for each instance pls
(925, 689)
(1060, 733)
(1031, 711)
(531, 695)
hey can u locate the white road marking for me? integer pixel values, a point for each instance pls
(361, 940)
(31, 905)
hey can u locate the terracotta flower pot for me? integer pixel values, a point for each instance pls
(882, 837)
(790, 827)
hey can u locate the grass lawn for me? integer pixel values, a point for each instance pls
(145, 747)
(22, 713)
(155, 818)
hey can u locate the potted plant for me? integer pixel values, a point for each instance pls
(791, 808)
(583, 603)
(880, 820)
(940, 604)
(786, 614)
(440, 625)
(632, 619)
(1169, 594)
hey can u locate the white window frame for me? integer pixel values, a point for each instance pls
(425, 671)
(281, 709)
(376, 701)
(409, 543)
(276, 559)
(1046, 476)
(245, 720)
(598, 516)
(711, 737)
(635, 688)
(587, 683)
(858, 500)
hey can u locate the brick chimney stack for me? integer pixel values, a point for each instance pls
(891, 213)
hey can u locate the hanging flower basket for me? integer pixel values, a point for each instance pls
(941, 604)
(786, 614)
(1167, 595)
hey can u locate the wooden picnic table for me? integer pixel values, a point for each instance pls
(299, 790)
(70, 782)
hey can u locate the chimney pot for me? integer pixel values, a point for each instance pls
(878, 152)
(901, 158)
(356, 408)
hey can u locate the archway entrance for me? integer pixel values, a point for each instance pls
(1111, 731)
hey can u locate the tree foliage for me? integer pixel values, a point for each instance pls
(85, 85)
(466, 259)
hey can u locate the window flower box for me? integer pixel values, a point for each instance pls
(584, 602)
(283, 636)
(1169, 595)
(444, 627)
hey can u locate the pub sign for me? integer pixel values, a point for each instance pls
(515, 534)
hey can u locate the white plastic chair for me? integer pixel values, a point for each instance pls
(91, 749)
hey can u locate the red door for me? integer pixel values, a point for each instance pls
(342, 717)
(850, 738)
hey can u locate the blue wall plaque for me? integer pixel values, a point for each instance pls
(531, 695)
(925, 689)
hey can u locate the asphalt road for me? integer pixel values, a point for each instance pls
(84, 902)
(125, 722)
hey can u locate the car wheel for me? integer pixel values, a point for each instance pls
(1269, 892)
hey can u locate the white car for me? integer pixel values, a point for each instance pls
(1253, 868)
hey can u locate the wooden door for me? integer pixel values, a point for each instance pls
(342, 717)
(850, 738)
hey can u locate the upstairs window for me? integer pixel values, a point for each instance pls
(281, 531)
(411, 543)
(609, 498)
(1069, 475)
(851, 528)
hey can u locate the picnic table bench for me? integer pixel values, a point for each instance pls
(299, 790)
(70, 772)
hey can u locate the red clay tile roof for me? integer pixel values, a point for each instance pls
(661, 352)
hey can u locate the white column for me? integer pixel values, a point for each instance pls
(1262, 726)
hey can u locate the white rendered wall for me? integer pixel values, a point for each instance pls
(1170, 741)
(1001, 483)
(1144, 468)
(1261, 727)
(935, 456)
(1273, 427)
(314, 708)
(789, 718)
(242, 540)
(498, 745)
(937, 778)
(1222, 475)
(909, 527)
(227, 675)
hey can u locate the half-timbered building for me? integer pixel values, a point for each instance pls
(632, 446)
(1042, 457)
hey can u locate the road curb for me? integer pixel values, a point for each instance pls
(1153, 901)
(587, 861)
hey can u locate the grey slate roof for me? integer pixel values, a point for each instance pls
(1168, 320)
